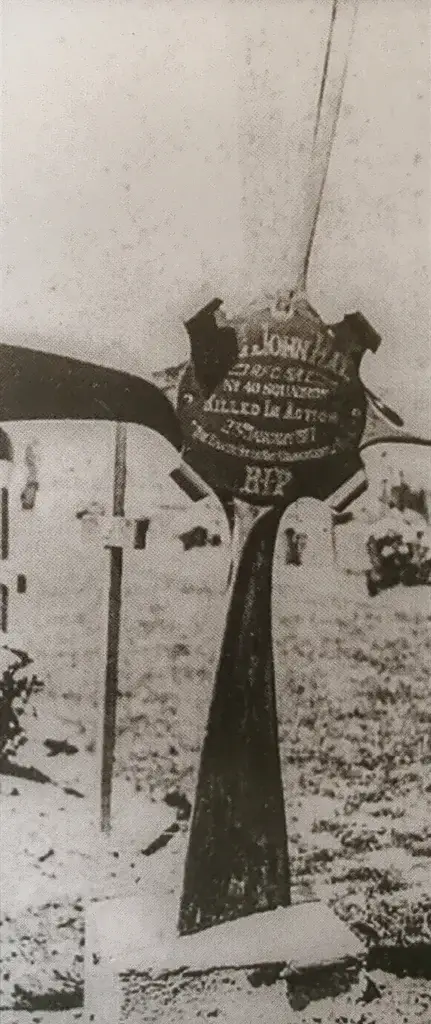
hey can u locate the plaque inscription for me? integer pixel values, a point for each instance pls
(291, 399)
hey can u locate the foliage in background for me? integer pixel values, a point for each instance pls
(17, 686)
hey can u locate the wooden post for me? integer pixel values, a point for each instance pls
(4, 554)
(4, 523)
(113, 634)
(6, 457)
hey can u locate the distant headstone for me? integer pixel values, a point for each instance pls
(317, 526)
(31, 487)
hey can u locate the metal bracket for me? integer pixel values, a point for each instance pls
(123, 532)
(118, 532)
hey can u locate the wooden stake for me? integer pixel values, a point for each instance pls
(4, 555)
(113, 635)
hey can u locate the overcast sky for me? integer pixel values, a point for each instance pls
(154, 155)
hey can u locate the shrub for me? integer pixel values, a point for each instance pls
(17, 686)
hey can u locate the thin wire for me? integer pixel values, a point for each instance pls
(325, 67)
(320, 161)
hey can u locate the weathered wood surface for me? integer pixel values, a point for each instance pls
(113, 636)
(237, 860)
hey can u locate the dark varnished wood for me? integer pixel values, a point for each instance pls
(237, 860)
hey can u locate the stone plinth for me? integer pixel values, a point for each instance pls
(138, 969)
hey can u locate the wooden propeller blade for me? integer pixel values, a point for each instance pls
(237, 860)
(38, 385)
(384, 426)
(214, 347)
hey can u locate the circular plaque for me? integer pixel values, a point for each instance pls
(287, 417)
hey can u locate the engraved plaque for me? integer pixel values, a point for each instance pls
(287, 414)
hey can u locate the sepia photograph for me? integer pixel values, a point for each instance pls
(215, 512)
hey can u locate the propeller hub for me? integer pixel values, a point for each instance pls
(271, 405)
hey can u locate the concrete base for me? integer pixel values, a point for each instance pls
(136, 937)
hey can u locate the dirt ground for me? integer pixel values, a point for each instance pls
(354, 713)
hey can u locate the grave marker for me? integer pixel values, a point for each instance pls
(122, 533)
(259, 455)
(272, 409)
(237, 864)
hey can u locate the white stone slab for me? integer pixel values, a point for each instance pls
(139, 935)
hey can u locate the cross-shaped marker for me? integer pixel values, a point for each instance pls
(122, 533)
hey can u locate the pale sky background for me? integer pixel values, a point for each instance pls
(154, 155)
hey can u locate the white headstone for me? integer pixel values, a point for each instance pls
(314, 519)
